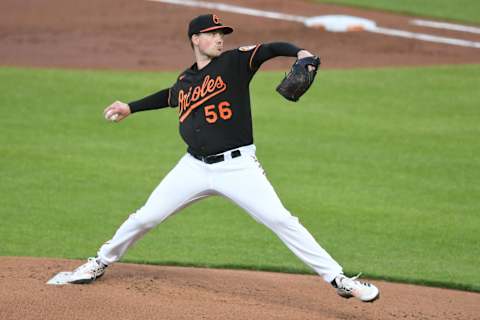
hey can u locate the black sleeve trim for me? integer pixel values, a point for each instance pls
(157, 100)
(268, 51)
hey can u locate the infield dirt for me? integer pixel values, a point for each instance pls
(143, 35)
(129, 291)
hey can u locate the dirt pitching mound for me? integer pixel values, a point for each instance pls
(129, 291)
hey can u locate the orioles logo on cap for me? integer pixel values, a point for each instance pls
(215, 19)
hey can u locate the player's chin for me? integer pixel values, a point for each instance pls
(216, 52)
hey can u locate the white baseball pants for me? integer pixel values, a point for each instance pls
(243, 181)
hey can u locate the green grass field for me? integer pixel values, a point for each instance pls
(380, 165)
(460, 10)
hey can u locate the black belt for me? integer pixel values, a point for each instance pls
(216, 158)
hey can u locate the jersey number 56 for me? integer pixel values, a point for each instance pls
(211, 115)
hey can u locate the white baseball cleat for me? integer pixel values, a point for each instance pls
(88, 272)
(351, 287)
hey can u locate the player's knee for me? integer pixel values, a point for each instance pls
(143, 222)
(281, 220)
(147, 224)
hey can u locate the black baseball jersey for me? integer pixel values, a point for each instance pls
(214, 102)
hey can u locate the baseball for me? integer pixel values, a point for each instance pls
(114, 117)
(111, 116)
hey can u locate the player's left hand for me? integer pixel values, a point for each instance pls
(299, 78)
(303, 54)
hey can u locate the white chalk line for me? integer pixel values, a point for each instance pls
(425, 37)
(296, 18)
(235, 9)
(445, 25)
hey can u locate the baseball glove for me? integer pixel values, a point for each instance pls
(299, 78)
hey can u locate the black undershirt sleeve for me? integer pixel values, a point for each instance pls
(157, 100)
(270, 50)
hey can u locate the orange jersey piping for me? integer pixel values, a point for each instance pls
(251, 57)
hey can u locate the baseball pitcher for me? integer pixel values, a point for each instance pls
(215, 121)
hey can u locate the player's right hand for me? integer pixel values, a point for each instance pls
(117, 111)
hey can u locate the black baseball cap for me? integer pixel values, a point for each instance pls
(207, 23)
